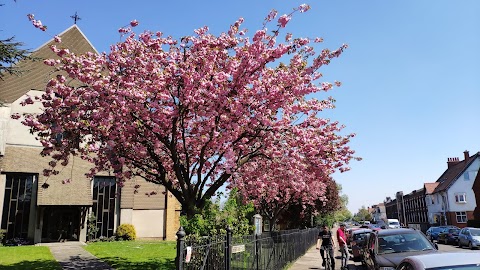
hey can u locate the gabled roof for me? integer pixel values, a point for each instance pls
(453, 172)
(430, 187)
(35, 73)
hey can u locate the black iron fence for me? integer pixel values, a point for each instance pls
(270, 250)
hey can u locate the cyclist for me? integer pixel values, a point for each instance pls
(327, 243)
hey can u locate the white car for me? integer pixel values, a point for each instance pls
(442, 260)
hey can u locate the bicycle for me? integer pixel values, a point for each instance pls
(328, 259)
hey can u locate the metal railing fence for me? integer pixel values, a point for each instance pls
(268, 251)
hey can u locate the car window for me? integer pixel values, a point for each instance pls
(403, 242)
(454, 230)
(359, 236)
(437, 229)
(475, 232)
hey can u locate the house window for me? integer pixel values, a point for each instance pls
(466, 176)
(266, 225)
(461, 217)
(460, 198)
(433, 199)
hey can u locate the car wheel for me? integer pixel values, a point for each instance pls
(470, 246)
(459, 244)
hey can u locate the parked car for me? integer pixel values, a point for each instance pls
(449, 236)
(393, 223)
(432, 232)
(387, 248)
(358, 242)
(444, 260)
(349, 234)
(469, 237)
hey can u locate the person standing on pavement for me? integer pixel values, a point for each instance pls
(327, 243)
(342, 242)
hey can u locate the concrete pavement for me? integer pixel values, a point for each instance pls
(71, 255)
(313, 260)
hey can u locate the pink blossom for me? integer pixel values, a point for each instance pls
(201, 112)
(304, 8)
(271, 15)
(57, 39)
(288, 37)
(134, 23)
(283, 20)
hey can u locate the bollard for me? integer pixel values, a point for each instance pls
(227, 248)
(180, 248)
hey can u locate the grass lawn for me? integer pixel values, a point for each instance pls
(136, 254)
(27, 257)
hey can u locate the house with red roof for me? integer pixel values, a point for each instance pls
(451, 199)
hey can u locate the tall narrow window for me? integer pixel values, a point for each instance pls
(16, 204)
(104, 194)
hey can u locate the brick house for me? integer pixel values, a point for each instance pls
(45, 209)
(453, 200)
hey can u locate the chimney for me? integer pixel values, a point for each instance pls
(452, 161)
(466, 155)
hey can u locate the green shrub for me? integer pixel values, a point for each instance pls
(2, 235)
(126, 232)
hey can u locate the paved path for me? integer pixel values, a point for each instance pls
(71, 255)
(313, 260)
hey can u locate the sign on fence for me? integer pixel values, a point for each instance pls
(238, 248)
(189, 254)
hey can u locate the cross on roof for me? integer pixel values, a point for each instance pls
(75, 18)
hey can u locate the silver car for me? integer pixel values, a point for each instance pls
(469, 237)
(446, 260)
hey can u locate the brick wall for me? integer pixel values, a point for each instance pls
(452, 219)
(172, 217)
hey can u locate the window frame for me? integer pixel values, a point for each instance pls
(460, 195)
(460, 215)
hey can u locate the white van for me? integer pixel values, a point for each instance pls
(393, 223)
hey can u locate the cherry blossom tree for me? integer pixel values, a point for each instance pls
(198, 113)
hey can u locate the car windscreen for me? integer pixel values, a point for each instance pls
(437, 230)
(475, 232)
(403, 242)
(453, 230)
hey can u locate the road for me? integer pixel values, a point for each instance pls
(441, 248)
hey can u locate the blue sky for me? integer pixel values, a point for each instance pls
(411, 84)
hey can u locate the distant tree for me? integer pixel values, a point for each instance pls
(362, 215)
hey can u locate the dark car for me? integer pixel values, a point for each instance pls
(387, 248)
(449, 236)
(358, 242)
(349, 234)
(433, 232)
